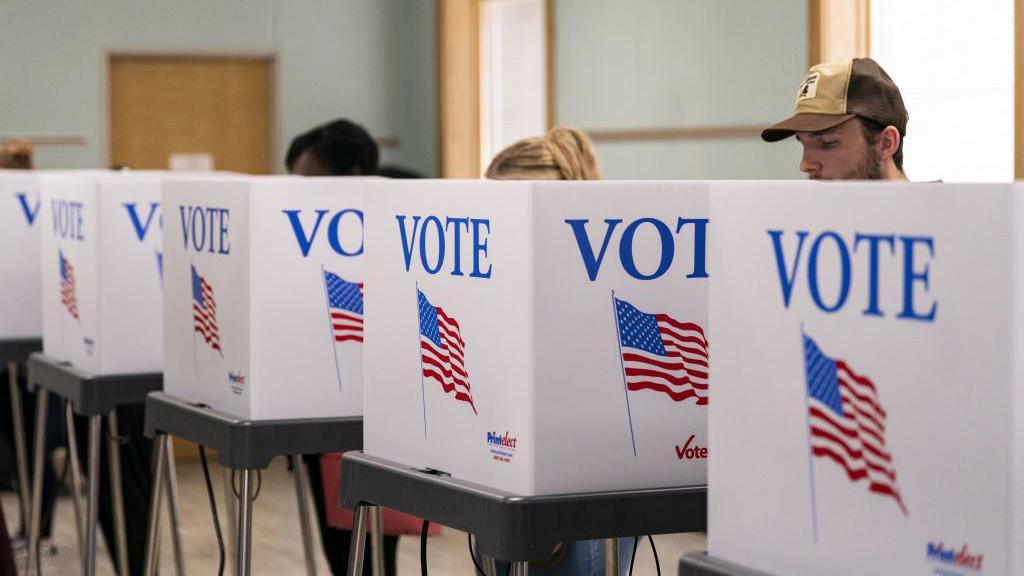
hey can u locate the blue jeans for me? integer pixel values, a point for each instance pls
(582, 558)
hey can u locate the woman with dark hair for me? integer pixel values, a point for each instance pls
(338, 148)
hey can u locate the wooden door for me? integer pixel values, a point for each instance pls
(166, 105)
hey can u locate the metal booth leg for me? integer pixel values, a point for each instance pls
(301, 489)
(377, 540)
(244, 554)
(171, 484)
(231, 503)
(95, 428)
(117, 494)
(358, 546)
(77, 484)
(490, 566)
(611, 556)
(519, 568)
(37, 481)
(153, 531)
(20, 451)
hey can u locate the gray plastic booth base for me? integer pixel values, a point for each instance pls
(90, 395)
(96, 397)
(250, 444)
(18, 349)
(244, 446)
(515, 528)
(700, 564)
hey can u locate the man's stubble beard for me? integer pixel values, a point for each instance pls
(869, 168)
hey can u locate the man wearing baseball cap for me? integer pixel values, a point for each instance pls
(851, 121)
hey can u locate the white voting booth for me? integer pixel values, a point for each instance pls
(538, 338)
(101, 264)
(867, 384)
(20, 308)
(263, 309)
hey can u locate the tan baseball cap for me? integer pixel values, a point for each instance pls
(834, 92)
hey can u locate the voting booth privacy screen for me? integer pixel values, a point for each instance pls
(263, 300)
(20, 306)
(536, 337)
(101, 267)
(867, 409)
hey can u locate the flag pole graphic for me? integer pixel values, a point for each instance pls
(60, 293)
(810, 449)
(330, 325)
(419, 340)
(625, 386)
(192, 297)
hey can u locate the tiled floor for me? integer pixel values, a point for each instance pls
(277, 547)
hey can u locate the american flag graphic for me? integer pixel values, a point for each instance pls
(847, 422)
(442, 349)
(662, 354)
(345, 301)
(204, 311)
(67, 286)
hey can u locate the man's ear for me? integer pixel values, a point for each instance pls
(888, 142)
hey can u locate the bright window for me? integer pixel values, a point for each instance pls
(953, 62)
(513, 72)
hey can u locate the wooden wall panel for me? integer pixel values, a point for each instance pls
(165, 105)
(837, 29)
(459, 86)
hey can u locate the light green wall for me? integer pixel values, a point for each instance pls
(676, 64)
(368, 60)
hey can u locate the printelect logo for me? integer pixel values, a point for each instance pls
(503, 447)
(960, 558)
(237, 381)
(506, 441)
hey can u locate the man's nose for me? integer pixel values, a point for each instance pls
(808, 163)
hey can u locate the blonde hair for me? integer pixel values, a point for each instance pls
(16, 154)
(561, 154)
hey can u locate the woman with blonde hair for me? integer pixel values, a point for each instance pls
(561, 154)
(16, 155)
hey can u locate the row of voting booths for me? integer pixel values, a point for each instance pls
(862, 414)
